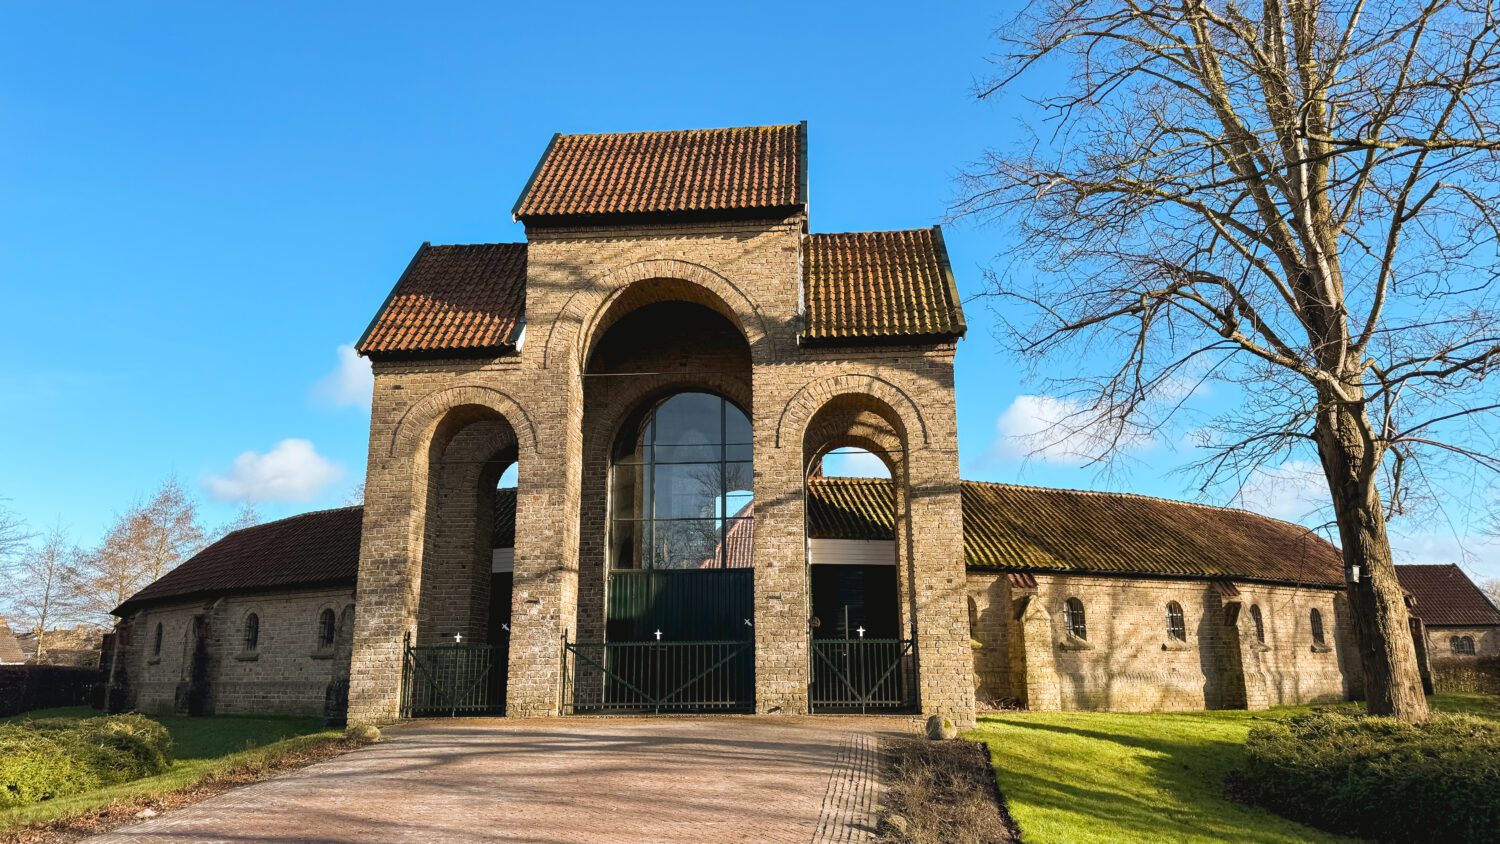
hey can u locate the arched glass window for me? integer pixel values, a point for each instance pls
(156, 641)
(1073, 618)
(327, 628)
(1260, 623)
(1317, 627)
(1462, 645)
(1176, 624)
(252, 632)
(681, 494)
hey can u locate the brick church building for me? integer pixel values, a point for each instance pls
(662, 367)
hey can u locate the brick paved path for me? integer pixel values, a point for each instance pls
(559, 781)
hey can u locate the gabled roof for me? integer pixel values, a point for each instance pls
(10, 648)
(747, 171)
(1020, 528)
(453, 300)
(879, 286)
(310, 549)
(1446, 597)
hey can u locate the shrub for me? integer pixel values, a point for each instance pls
(1469, 676)
(1379, 777)
(52, 757)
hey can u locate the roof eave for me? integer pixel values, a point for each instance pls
(359, 345)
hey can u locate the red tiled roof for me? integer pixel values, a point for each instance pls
(879, 285)
(453, 299)
(1020, 528)
(753, 168)
(1446, 597)
(10, 647)
(313, 548)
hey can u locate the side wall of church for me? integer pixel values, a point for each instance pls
(1128, 661)
(287, 673)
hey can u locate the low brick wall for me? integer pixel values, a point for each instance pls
(27, 687)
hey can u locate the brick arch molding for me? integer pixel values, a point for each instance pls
(424, 414)
(588, 305)
(808, 400)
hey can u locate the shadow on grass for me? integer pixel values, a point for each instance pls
(1087, 777)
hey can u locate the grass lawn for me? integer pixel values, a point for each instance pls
(1084, 777)
(201, 748)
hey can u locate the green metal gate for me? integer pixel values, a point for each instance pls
(656, 677)
(449, 680)
(860, 675)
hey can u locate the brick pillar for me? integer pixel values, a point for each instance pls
(545, 598)
(1033, 669)
(781, 596)
(389, 574)
(944, 660)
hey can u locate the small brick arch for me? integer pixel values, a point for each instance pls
(800, 409)
(422, 416)
(592, 300)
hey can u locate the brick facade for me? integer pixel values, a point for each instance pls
(1128, 661)
(287, 673)
(580, 282)
(1440, 641)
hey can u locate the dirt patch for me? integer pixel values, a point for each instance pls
(104, 818)
(941, 792)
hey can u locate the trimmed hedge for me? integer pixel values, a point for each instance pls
(1469, 676)
(1379, 778)
(52, 757)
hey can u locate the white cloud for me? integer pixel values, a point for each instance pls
(1295, 491)
(1055, 430)
(350, 384)
(854, 464)
(291, 471)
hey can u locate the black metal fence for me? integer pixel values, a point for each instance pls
(449, 680)
(861, 675)
(655, 677)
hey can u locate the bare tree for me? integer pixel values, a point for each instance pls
(13, 535)
(247, 516)
(1491, 589)
(1293, 197)
(145, 542)
(42, 598)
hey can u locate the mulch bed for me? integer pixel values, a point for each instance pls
(105, 818)
(941, 792)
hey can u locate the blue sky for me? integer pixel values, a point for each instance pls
(200, 205)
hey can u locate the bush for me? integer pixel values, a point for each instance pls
(1467, 676)
(1379, 777)
(52, 757)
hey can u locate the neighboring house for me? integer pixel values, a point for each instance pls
(1460, 621)
(666, 361)
(73, 646)
(10, 648)
(259, 621)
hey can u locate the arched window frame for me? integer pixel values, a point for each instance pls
(1176, 622)
(156, 641)
(637, 451)
(1315, 621)
(1463, 645)
(327, 629)
(1075, 619)
(1260, 623)
(250, 634)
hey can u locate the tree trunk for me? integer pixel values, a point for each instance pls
(1393, 684)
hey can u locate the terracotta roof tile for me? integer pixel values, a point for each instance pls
(10, 647)
(753, 168)
(453, 299)
(1019, 528)
(313, 548)
(850, 508)
(879, 285)
(1446, 597)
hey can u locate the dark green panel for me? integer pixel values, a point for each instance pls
(699, 605)
(845, 598)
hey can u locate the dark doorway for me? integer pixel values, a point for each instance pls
(846, 598)
(501, 583)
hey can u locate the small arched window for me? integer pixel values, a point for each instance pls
(327, 629)
(1260, 623)
(1073, 618)
(1462, 645)
(156, 641)
(1176, 624)
(252, 632)
(1317, 627)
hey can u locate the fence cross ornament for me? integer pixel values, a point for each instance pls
(860, 630)
(658, 635)
(458, 638)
